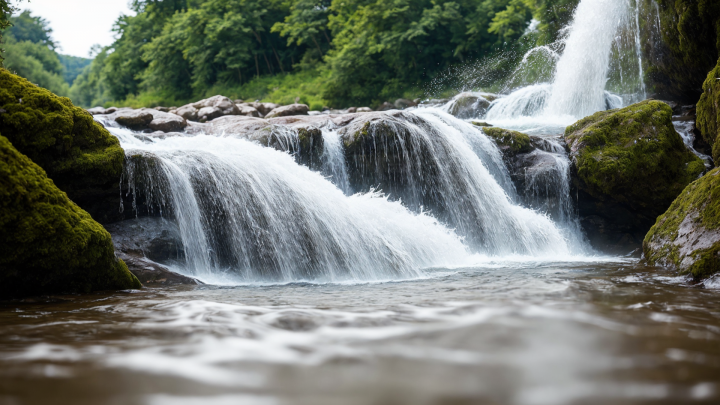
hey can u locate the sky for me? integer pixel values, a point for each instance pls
(78, 24)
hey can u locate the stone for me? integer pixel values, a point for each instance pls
(163, 109)
(708, 113)
(167, 122)
(352, 110)
(288, 110)
(402, 103)
(209, 113)
(188, 112)
(133, 119)
(97, 110)
(249, 111)
(48, 244)
(364, 110)
(687, 236)
(264, 108)
(468, 105)
(385, 107)
(224, 104)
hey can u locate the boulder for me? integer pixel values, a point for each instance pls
(97, 110)
(144, 243)
(81, 157)
(133, 119)
(468, 105)
(163, 109)
(224, 104)
(248, 111)
(687, 236)
(364, 109)
(385, 107)
(166, 122)
(188, 112)
(708, 113)
(47, 243)
(209, 113)
(511, 143)
(629, 165)
(264, 108)
(288, 110)
(352, 110)
(402, 103)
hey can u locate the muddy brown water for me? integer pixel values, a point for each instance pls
(610, 332)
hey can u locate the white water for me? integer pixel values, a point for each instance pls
(579, 84)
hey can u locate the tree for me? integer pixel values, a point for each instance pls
(26, 27)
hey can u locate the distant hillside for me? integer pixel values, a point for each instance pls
(73, 65)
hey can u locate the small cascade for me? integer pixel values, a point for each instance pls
(599, 67)
(333, 159)
(251, 213)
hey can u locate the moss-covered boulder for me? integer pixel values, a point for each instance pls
(679, 53)
(78, 154)
(632, 156)
(47, 243)
(687, 236)
(509, 142)
(708, 112)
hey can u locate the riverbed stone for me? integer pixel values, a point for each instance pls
(133, 119)
(687, 236)
(468, 105)
(288, 110)
(81, 157)
(47, 243)
(188, 112)
(209, 113)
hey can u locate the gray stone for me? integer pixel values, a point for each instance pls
(188, 112)
(209, 113)
(134, 119)
(289, 110)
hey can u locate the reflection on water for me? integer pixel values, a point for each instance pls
(522, 334)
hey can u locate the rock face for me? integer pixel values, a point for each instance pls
(687, 236)
(468, 105)
(629, 165)
(77, 153)
(679, 54)
(144, 243)
(708, 112)
(288, 110)
(47, 243)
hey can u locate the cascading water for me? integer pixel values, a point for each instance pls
(250, 213)
(583, 72)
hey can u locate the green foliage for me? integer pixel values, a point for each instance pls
(700, 204)
(37, 63)
(74, 150)
(512, 141)
(367, 51)
(47, 243)
(37, 30)
(73, 66)
(633, 156)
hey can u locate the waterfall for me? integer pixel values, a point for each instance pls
(579, 84)
(251, 213)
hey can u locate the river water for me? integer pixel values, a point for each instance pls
(600, 331)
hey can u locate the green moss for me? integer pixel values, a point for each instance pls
(701, 199)
(708, 112)
(632, 156)
(74, 150)
(515, 142)
(47, 243)
(688, 49)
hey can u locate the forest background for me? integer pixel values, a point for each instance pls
(335, 53)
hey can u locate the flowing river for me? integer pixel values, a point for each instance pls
(409, 270)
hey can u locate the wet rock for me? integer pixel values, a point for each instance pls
(97, 110)
(687, 236)
(708, 113)
(264, 108)
(468, 105)
(288, 110)
(133, 119)
(209, 113)
(385, 107)
(163, 109)
(188, 112)
(167, 122)
(249, 111)
(364, 109)
(628, 166)
(352, 110)
(481, 124)
(511, 143)
(152, 274)
(402, 103)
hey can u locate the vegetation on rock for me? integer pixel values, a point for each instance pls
(75, 151)
(47, 243)
(708, 112)
(687, 236)
(512, 142)
(632, 156)
(690, 44)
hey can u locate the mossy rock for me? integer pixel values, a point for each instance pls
(509, 142)
(47, 243)
(632, 156)
(687, 236)
(678, 57)
(708, 112)
(77, 153)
